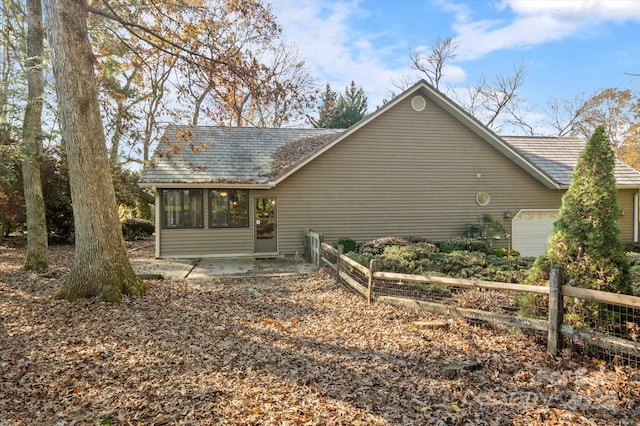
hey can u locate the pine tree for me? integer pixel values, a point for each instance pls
(341, 111)
(586, 238)
(352, 107)
(327, 110)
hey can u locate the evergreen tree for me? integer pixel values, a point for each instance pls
(586, 238)
(352, 107)
(327, 110)
(338, 111)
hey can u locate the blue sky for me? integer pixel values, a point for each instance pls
(572, 47)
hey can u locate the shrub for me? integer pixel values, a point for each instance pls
(586, 238)
(635, 279)
(403, 258)
(347, 244)
(487, 228)
(539, 271)
(460, 258)
(362, 258)
(463, 244)
(505, 252)
(376, 247)
(137, 229)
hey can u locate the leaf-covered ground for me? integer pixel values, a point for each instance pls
(276, 351)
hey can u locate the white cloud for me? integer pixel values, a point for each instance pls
(535, 22)
(334, 50)
(589, 10)
(481, 37)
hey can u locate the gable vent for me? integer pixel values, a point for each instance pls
(418, 103)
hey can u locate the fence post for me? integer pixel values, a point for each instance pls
(372, 268)
(556, 310)
(340, 250)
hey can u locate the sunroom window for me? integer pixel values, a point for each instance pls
(182, 208)
(228, 208)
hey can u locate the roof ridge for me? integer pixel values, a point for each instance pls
(542, 137)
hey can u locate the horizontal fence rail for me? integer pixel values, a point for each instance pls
(615, 336)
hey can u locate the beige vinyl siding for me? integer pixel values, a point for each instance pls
(625, 222)
(205, 242)
(406, 173)
(208, 241)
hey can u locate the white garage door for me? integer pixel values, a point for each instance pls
(530, 230)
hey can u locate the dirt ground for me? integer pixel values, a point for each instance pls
(297, 350)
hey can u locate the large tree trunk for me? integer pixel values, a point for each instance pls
(32, 139)
(100, 265)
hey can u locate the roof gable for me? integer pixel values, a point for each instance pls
(425, 89)
(264, 157)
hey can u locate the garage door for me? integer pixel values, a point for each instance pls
(530, 230)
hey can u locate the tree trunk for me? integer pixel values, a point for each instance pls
(32, 139)
(100, 265)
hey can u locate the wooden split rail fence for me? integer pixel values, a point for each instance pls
(374, 285)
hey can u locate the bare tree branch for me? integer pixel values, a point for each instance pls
(432, 64)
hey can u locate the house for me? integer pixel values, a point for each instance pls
(418, 166)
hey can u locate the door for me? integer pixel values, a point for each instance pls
(531, 229)
(266, 240)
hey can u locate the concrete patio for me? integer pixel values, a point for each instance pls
(204, 268)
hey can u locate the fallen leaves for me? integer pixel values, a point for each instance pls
(271, 351)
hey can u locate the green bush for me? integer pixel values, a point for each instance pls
(376, 247)
(586, 237)
(402, 258)
(454, 258)
(362, 258)
(137, 229)
(464, 244)
(347, 244)
(539, 271)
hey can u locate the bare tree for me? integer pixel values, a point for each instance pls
(288, 90)
(432, 63)
(565, 117)
(12, 50)
(496, 103)
(158, 77)
(32, 142)
(100, 267)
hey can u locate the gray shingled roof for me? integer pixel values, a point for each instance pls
(258, 156)
(557, 158)
(231, 155)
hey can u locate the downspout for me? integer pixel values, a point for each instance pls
(635, 216)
